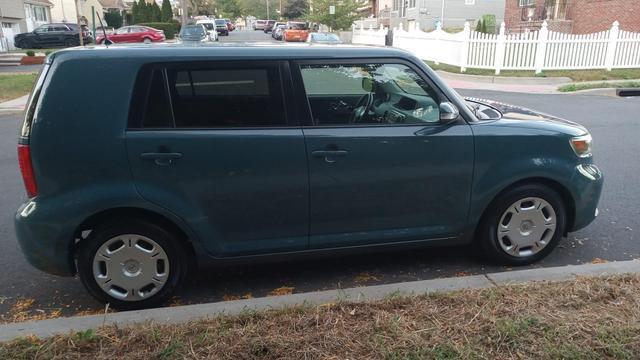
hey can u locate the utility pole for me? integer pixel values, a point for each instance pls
(442, 16)
(268, 18)
(79, 13)
(184, 12)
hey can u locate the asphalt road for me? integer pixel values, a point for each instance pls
(612, 121)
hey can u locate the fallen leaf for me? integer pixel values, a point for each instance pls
(284, 290)
(598, 261)
(365, 277)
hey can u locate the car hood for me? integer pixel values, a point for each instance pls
(523, 117)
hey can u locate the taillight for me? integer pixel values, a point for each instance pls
(26, 168)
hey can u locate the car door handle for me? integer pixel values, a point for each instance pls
(329, 153)
(161, 158)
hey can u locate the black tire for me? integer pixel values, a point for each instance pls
(26, 44)
(486, 234)
(167, 240)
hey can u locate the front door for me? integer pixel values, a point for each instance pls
(219, 151)
(383, 168)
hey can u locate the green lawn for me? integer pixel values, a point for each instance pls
(15, 85)
(575, 75)
(598, 85)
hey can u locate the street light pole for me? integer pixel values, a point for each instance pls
(442, 16)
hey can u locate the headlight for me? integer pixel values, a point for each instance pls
(582, 145)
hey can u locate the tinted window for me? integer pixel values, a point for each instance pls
(157, 110)
(381, 94)
(298, 26)
(206, 98)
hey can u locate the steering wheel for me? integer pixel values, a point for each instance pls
(362, 108)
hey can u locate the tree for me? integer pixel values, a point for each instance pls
(113, 18)
(257, 8)
(295, 9)
(343, 18)
(156, 13)
(135, 13)
(167, 12)
(228, 8)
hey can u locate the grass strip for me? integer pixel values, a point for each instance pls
(575, 75)
(15, 85)
(601, 85)
(590, 318)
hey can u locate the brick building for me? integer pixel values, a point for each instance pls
(574, 16)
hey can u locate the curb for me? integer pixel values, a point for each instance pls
(180, 314)
(505, 79)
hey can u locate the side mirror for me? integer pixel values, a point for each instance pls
(448, 112)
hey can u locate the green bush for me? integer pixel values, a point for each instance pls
(113, 18)
(31, 53)
(170, 28)
(46, 53)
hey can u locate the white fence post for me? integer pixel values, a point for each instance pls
(541, 47)
(498, 61)
(464, 49)
(611, 47)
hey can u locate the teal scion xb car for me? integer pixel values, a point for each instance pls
(212, 155)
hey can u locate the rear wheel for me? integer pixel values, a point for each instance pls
(131, 264)
(26, 44)
(523, 225)
(146, 41)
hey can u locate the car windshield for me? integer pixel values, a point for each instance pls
(208, 26)
(298, 26)
(221, 22)
(192, 31)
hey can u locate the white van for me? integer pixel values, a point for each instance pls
(210, 26)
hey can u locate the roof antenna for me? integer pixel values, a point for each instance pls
(106, 39)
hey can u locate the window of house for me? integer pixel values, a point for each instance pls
(368, 94)
(40, 13)
(527, 2)
(412, 3)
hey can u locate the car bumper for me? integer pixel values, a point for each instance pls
(45, 238)
(587, 182)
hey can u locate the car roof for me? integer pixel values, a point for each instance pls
(244, 51)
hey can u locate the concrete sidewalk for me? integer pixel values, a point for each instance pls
(44, 328)
(15, 105)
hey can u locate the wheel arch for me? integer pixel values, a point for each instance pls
(82, 230)
(562, 190)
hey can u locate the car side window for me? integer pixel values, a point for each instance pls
(368, 94)
(122, 31)
(211, 98)
(42, 29)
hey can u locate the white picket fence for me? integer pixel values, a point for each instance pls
(535, 50)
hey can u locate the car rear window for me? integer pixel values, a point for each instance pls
(209, 97)
(298, 26)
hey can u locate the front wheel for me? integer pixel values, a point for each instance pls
(131, 264)
(146, 41)
(523, 225)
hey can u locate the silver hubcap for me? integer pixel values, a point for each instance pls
(131, 267)
(526, 227)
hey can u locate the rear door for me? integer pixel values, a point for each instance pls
(387, 170)
(213, 144)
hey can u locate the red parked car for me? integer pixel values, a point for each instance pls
(133, 34)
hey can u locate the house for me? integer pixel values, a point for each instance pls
(64, 11)
(100, 7)
(429, 12)
(572, 16)
(17, 16)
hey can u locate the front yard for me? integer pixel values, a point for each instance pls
(584, 319)
(15, 85)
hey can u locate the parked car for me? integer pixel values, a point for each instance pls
(295, 31)
(108, 29)
(133, 34)
(370, 151)
(230, 26)
(278, 30)
(210, 26)
(221, 27)
(268, 26)
(52, 35)
(259, 24)
(193, 33)
(323, 38)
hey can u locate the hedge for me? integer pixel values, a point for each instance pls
(170, 29)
